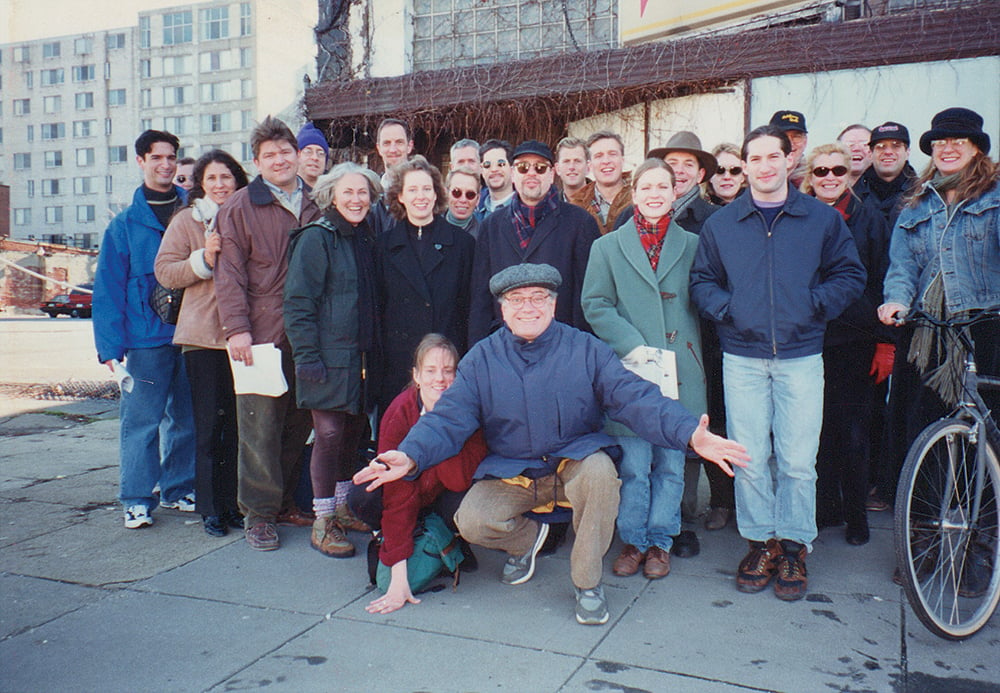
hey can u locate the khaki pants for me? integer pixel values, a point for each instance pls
(492, 514)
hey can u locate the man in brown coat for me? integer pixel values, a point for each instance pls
(249, 285)
(608, 194)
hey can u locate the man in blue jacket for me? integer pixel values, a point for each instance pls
(772, 268)
(156, 423)
(539, 390)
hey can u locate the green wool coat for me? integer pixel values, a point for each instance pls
(628, 305)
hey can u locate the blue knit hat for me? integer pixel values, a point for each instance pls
(310, 134)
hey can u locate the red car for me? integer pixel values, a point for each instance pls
(75, 304)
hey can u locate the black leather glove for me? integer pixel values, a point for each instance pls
(314, 372)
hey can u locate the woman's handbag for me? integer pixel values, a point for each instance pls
(166, 303)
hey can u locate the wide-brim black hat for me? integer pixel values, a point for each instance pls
(956, 122)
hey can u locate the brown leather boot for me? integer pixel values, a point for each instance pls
(628, 561)
(329, 539)
(657, 563)
(758, 567)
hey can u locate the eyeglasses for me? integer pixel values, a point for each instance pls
(733, 170)
(888, 144)
(536, 300)
(953, 141)
(469, 194)
(181, 179)
(824, 171)
(523, 167)
(499, 163)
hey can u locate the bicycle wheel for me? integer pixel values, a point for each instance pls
(947, 546)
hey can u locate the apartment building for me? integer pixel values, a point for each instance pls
(71, 106)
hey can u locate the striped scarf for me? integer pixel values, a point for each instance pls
(527, 218)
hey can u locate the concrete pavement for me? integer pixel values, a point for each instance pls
(91, 606)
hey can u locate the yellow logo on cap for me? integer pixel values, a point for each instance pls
(790, 117)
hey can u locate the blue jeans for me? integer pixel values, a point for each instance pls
(652, 486)
(783, 397)
(156, 428)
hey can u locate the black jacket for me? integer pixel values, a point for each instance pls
(885, 197)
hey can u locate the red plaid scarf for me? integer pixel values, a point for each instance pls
(527, 218)
(652, 234)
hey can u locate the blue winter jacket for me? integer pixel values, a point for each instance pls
(538, 402)
(122, 316)
(965, 246)
(772, 291)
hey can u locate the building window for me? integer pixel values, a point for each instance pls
(176, 96)
(84, 100)
(146, 98)
(246, 89)
(118, 155)
(176, 65)
(144, 32)
(31, 133)
(83, 45)
(215, 122)
(211, 61)
(22, 106)
(51, 50)
(83, 128)
(115, 41)
(177, 28)
(146, 124)
(53, 159)
(22, 54)
(31, 188)
(85, 157)
(109, 184)
(107, 70)
(29, 80)
(244, 19)
(83, 73)
(215, 91)
(22, 217)
(116, 97)
(246, 57)
(84, 213)
(22, 162)
(53, 215)
(246, 120)
(52, 77)
(53, 131)
(50, 187)
(52, 104)
(83, 186)
(145, 68)
(215, 23)
(107, 127)
(178, 125)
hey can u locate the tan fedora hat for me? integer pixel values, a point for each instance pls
(686, 141)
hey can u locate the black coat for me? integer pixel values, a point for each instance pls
(562, 239)
(415, 302)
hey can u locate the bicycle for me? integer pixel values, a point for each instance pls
(947, 524)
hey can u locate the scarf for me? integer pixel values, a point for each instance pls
(460, 223)
(163, 204)
(527, 218)
(883, 190)
(685, 200)
(652, 235)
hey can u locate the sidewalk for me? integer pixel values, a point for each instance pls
(90, 606)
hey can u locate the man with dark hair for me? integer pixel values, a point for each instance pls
(156, 438)
(890, 174)
(314, 153)
(249, 285)
(608, 194)
(464, 154)
(394, 144)
(183, 177)
(536, 226)
(772, 268)
(793, 124)
(494, 158)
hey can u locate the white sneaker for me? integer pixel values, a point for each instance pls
(137, 516)
(185, 504)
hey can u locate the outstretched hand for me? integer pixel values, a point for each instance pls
(389, 466)
(722, 451)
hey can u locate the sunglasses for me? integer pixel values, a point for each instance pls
(823, 171)
(469, 194)
(954, 141)
(499, 163)
(733, 170)
(181, 179)
(525, 166)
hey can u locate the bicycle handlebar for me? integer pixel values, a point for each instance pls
(919, 316)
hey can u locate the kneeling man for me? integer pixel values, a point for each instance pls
(539, 389)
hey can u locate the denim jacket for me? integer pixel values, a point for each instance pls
(966, 248)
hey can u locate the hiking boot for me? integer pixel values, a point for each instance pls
(137, 516)
(329, 539)
(185, 503)
(348, 521)
(628, 561)
(519, 569)
(790, 584)
(657, 563)
(591, 606)
(757, 567)
(263, 536)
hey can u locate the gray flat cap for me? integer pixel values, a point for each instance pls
(525, 274)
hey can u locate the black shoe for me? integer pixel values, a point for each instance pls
(233, 519)
(470, 563)
(214, 526)
(686, 545)
(857, 535)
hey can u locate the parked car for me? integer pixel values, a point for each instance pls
(75, 304)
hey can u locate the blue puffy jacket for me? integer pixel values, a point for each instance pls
(122, 316)
(772, 290)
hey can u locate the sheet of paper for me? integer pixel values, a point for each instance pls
(659, 366)
(122, 376)
(264, 377)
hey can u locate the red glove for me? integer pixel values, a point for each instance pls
(881, 368)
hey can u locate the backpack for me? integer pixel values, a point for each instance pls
(435, 550)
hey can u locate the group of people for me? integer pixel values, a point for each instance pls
(539, 337)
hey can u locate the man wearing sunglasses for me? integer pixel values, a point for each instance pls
(771, 269)
(536, 226)
(462, 185)
(494, 158)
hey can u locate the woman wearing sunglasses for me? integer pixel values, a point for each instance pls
(423, 266)
(728, 181)
(857, 352)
